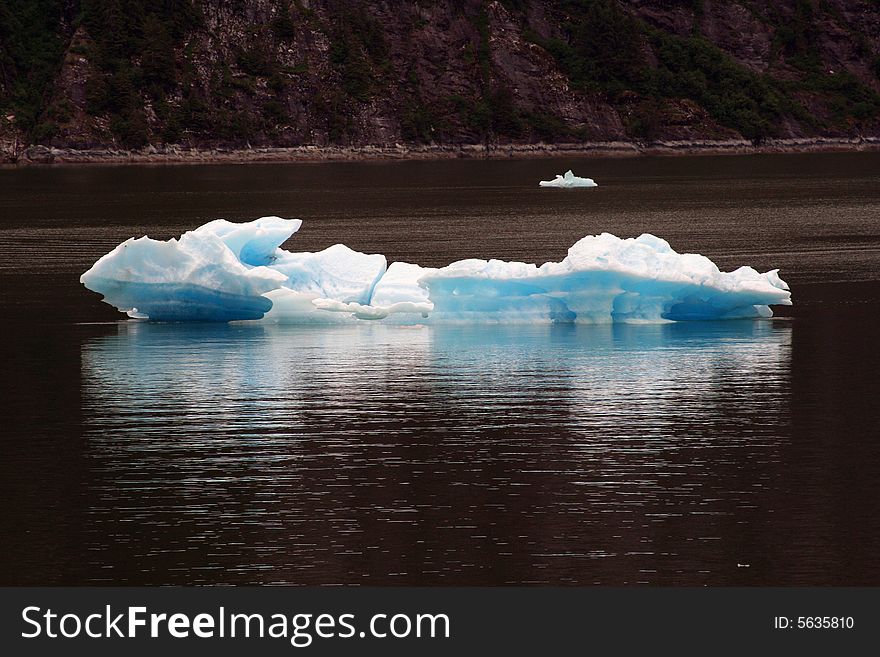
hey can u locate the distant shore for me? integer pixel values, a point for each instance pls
(172, 154)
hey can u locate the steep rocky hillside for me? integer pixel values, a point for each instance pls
(249, 73)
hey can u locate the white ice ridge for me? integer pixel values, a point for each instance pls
(568, 179)
(225, 271)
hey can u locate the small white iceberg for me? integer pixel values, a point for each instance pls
(568, 180)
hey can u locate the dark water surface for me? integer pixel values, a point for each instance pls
(718, 453)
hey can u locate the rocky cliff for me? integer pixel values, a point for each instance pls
(137, 74)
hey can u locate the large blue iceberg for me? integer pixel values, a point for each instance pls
(226, 271)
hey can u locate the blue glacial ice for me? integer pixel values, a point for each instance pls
(225, 271)
(568, 180)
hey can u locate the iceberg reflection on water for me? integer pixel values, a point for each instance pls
(441, 452)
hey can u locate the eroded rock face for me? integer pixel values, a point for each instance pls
(738, 32)
(260, 73)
